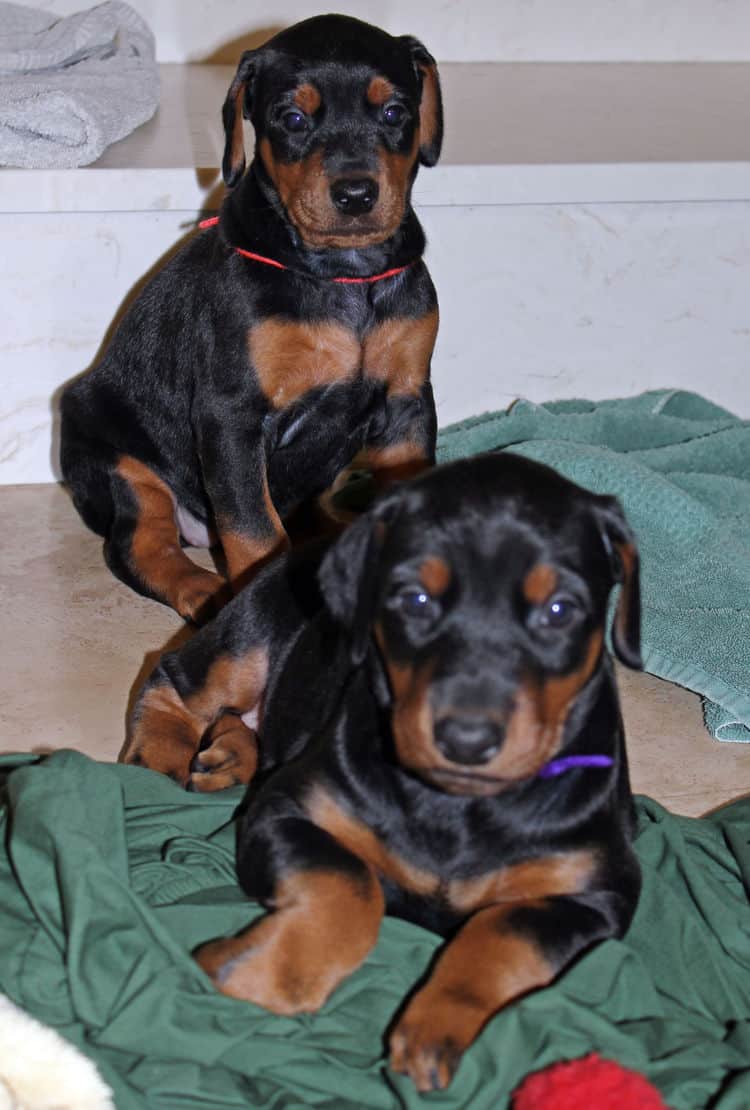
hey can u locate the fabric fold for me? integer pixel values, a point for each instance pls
(70, 87)
(110, 875)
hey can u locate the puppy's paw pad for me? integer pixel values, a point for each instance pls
(230, 759)
(429, 1062)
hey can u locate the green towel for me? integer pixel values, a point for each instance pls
(681, 468)
(110, 875)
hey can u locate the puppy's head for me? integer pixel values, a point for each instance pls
(483, 587)
(343, 114)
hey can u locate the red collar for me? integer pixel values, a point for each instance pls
(213, 221)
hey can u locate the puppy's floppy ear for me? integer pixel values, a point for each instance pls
(431, 102)
(236, 108)
(348, 574)
(619, 545)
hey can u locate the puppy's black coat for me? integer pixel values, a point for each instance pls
(312, 278)
(440, 739)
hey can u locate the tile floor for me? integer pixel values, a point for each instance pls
(76, 643)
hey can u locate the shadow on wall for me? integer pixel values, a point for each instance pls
(229, 53)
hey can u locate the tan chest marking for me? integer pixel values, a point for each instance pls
(532, 880)
(399, 350)
(362, 842)
(291, 358)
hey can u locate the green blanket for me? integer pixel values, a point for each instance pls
(110, 875)
(681, 467)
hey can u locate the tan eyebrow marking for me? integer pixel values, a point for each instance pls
(539, 583)
(308, 99)
(380, 90)
(435, 575)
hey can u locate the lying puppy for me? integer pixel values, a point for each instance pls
(313, 276)
(440, 739)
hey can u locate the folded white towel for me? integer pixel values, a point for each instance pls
(70, 87)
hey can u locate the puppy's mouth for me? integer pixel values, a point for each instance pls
(347, 236)
(324, 227)
(470, 783)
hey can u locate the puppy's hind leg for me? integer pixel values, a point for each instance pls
(143, 545)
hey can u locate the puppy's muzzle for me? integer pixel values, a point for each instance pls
(355, 196)
(469, 741)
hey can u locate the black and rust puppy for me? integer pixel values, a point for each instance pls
(312, 276)
(440, 739)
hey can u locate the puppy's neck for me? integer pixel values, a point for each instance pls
(254, 219)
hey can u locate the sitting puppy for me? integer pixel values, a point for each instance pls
(440, 739)
(311, 277)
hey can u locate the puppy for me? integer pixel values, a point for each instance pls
(312, 277)
(440, 739)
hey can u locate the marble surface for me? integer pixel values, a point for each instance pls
(539, 301)
(77, 643)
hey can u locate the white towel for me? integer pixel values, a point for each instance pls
(41, 1071)
(69, 87)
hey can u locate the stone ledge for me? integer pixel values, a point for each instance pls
(525, 133)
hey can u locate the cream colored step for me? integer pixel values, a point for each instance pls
(541, 133)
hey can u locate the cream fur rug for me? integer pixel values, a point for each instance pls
(41, 1071)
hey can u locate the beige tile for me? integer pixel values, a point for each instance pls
(672, 755)
(75, 638)
(75, 642)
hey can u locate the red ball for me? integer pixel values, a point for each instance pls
(588, 1082)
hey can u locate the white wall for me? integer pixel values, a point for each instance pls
(539, 301)
(594, 301)
(468, 30)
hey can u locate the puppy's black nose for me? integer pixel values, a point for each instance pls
(354, 195)
(468, 740)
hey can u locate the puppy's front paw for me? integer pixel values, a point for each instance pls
(166, 753)
(230, 759)
(431, 1036)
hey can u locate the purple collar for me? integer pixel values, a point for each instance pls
(566, 762)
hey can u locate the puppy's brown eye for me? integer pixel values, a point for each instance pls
(414, 601)
(558, 612)
(295, 121)
(416, 604)
(394, 114)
